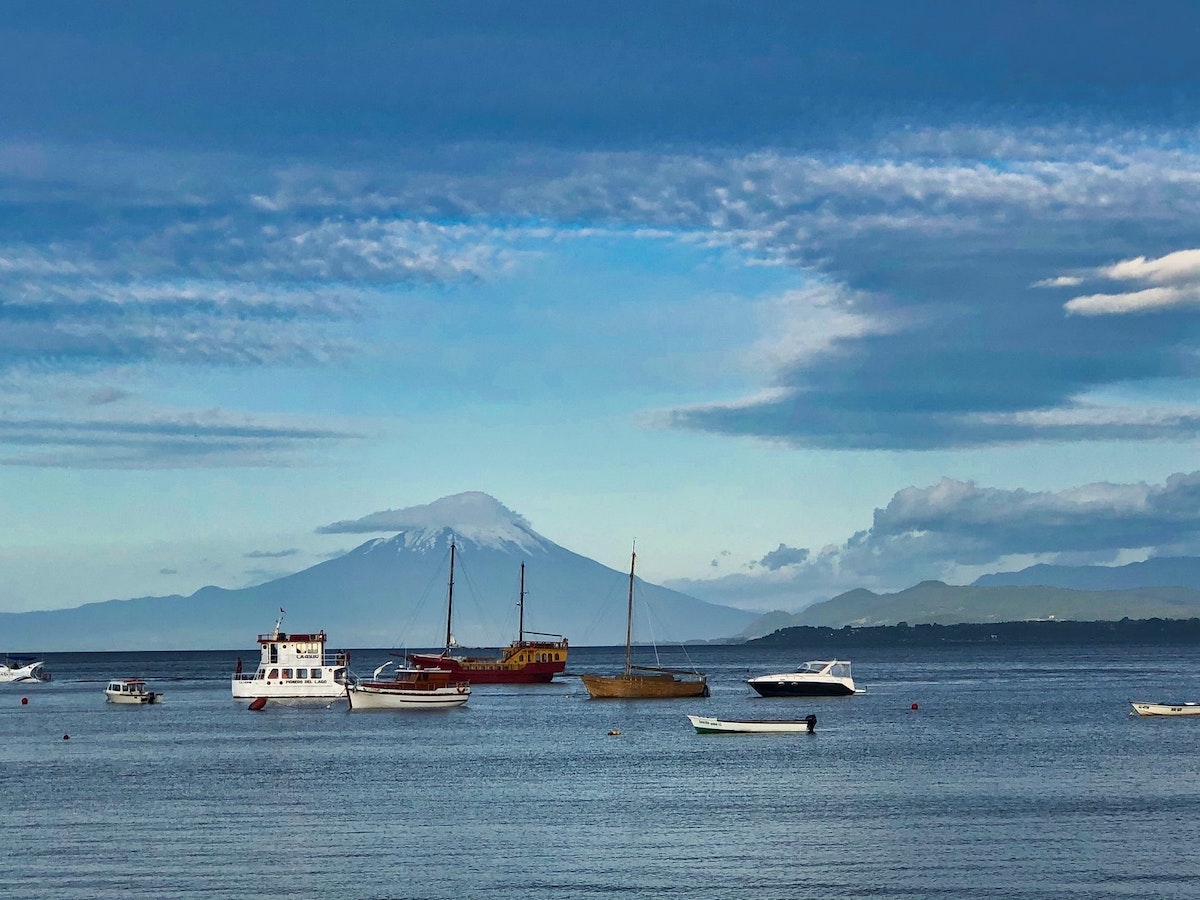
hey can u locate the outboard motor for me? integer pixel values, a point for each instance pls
(812, 723)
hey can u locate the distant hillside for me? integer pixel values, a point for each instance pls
(1165, 571)
(391, 592)
(832, 641)
(933, 602)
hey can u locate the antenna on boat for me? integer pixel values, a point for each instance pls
(279, 621)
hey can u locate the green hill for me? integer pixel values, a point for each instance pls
(936, 603)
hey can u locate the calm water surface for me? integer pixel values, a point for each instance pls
(1020, 775)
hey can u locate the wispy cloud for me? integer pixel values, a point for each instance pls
(1178, 275)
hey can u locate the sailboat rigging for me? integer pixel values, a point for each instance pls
(643, 682)
(521, 662)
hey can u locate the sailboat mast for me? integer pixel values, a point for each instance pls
(450, 597)
(629, 615)
(521, 609)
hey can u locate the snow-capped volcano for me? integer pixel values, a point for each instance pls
(473, 515)
(392, 591)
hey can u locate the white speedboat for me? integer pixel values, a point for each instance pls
(711, 725)
(131, 691)
(293, 669)
(22, 670)
(1165, 709)
(408, 689)
(819, 678)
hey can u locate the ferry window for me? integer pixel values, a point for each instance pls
(302, 673)
(274, 653)
(287, 673)
(315, 674)
(260, 674)
(274, 673)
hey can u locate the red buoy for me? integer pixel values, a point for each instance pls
(24, 701)
(66, 737)
(258, 703)
(914, 706)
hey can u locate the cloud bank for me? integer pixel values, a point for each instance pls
(955, 530)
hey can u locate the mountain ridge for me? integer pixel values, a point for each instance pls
(392, 591)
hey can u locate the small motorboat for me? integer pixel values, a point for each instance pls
(819, 678)
(1164, 709)
(711, 725)
(22, 670)
(131, 691)
(409, 688)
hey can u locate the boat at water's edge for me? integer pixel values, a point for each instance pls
(713, 725)
(521, 662)
(1143, 708)
(293, 668)
(817, 678)
(410, 688)
(22, 670)
(643, 682)
(131, 692)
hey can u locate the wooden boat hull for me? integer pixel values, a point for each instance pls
(500, 670)
(385, 696)
(1165, 709)
(647, 686)
(711, 725)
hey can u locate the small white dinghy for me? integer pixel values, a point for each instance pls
(711, 725)
(1165, 709)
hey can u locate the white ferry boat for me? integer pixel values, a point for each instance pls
(294, 668)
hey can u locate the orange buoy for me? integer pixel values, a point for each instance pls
(258, 703)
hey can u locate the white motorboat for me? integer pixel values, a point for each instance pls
(131, 691)
(293, 669)
(818, 678)
(711, 725)
(1165, 709)
(22, 670)
(413, 688)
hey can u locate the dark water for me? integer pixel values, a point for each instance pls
(1020, 775)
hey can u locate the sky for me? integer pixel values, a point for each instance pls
(800, 297)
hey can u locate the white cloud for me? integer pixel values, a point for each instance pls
(1176, 277)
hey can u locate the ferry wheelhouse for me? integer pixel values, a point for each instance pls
(293, 668)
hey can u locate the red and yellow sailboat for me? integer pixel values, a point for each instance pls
(521, 662)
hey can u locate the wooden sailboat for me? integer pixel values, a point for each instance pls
(521, 662)
(643, 682)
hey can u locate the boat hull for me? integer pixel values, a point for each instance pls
(292, 692)
(491, 671)
(1165, 709)
(649, 686)
(710, 725)
(135, 699)
(31, 674)
(384, 696)
(800, 688)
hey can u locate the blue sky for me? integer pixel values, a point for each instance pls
(803, 299)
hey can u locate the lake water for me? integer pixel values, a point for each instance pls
(1019, 775)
